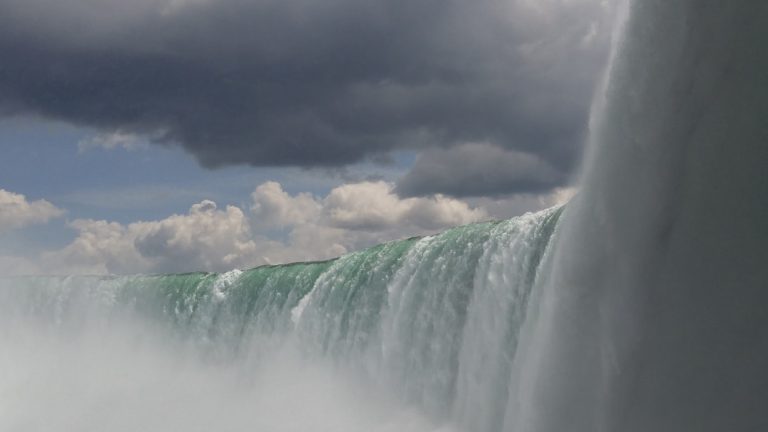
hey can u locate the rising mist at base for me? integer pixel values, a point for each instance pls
(127, 378)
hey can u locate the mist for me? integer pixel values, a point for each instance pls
(122, 375)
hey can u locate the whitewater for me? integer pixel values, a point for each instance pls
(640, 306)
(413, 335)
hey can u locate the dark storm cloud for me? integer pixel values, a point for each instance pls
(309, 83)
(478, 169)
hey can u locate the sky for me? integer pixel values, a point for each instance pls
(158, 136)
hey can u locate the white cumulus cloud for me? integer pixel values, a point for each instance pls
(278, 227)
(374, 206)
(274, 207)
(17, 212)
(353, 216)
(206, 238)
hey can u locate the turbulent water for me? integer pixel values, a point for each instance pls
(413, 335)
(643, 307)
(655, 314)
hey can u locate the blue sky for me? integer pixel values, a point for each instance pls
(43, 159)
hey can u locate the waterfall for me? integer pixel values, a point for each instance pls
(654, 314)
(431, 323)
(642, 306)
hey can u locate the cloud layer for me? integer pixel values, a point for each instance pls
(275, 227)
(300, 82)
(204, 238)
(478, 169)
(18, 212)
(278, 228)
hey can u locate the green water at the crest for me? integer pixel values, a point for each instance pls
(412, 316)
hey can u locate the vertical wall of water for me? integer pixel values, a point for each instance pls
(427, 306)
(654, 318)
(434, 320)
(505, 277)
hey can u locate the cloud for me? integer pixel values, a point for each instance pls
(476, 169)
(274, 207)
(349, 217)
(206, 238)
(560, 196)
(111, 141)
(17, 212)
(353, 216)
(307, 83)
(505, 207)
(100, 247)
(373, 206)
